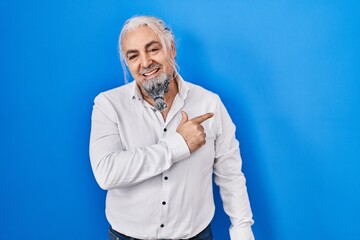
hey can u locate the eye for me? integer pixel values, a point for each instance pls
(153, 50)
(132, 57)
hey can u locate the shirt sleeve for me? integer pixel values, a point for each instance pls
(230, 178)
(115, 167)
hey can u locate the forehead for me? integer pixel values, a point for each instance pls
(137, 39)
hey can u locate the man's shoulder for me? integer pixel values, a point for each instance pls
(199, 91)
(118, 93)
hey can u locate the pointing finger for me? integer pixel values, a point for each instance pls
(202, 118)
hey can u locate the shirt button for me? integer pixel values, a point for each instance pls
(163, 203)
(165, 129)
(162, 225)
(166, 178)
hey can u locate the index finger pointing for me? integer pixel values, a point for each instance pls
(202, 118)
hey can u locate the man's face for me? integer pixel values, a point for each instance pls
(145, 55)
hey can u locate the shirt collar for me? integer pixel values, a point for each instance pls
(183, 88)
(136, 94)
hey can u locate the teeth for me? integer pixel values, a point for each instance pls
(152, 72)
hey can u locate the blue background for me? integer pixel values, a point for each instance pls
(288, 72)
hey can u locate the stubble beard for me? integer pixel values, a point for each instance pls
(156, 88)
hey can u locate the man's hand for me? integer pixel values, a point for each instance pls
(192, 131)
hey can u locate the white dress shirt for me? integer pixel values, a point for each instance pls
(156, 188)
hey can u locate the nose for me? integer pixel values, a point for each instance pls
(145, 61)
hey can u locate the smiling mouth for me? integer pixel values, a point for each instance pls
(148, 74)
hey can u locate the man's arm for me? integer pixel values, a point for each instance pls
(115, 167)
(230, 179)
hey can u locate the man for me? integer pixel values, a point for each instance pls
(156, 142)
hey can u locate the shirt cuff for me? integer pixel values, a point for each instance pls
(177, 146)
(244, 233)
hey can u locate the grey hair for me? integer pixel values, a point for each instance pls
(164, 33)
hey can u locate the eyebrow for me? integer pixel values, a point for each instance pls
(151, 43)
(146, 46)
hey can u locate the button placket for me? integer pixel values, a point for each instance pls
(164, 201)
